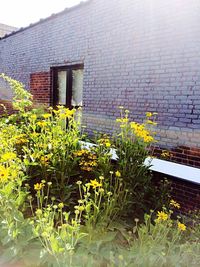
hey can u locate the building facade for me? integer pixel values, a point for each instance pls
(143, 55)
(5, 29)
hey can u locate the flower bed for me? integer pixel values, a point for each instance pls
(63, 205)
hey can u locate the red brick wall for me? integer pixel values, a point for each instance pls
(8, 106)
(186, 193)
(40, 85)
(181, 154)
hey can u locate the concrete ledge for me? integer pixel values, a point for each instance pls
(180, 171)
(176, 170)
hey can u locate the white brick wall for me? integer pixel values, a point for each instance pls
(142, 54)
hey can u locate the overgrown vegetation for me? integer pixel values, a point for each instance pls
(64, 205)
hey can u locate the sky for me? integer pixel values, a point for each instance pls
(21, 13)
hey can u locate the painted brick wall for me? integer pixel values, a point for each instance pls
(144, 55)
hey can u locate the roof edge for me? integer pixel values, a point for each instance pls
(52, 16)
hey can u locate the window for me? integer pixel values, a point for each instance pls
(68, 86)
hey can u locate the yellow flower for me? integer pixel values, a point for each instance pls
(21, 139)
(149, 114)
(65, 113)
(46, 116)
(88, 169)
(33, 117)
(104, 141)
(108, 144)
(161, 216)
(175, 204)
(118, 174)
(92, 163)
(4, 174)
(42, 123)
(80, 153)
(148, 139)
(165, 154)
(38, 186)
(61, 205)
(60, 107)
(95, 184)
(142, 133)
(9, 156)
(93, 157)
(181, 226)
(45, 159)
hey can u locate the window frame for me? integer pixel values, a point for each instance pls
(54, 75)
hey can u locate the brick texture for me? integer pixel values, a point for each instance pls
(40, 87)
(181, 154)
(6, 107)
(187, 194)
(143, 55)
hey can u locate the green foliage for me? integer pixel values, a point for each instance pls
(64, 205)
(49, 150)
(101, 201)
(133, 146)
(22, 98)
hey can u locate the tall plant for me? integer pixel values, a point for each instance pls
(22, 98)
(132, 148)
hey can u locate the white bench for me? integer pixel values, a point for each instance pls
(180, 171)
